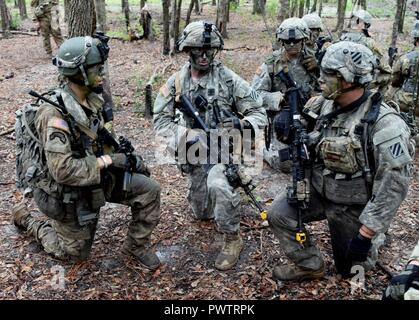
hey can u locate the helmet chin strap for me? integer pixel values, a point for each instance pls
(338, 92)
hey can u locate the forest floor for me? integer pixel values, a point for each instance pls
(186, 247)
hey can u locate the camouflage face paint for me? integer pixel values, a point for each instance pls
(330, 84)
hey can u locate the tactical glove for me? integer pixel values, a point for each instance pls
(119, 160)
(401, 283)
(358, 248)
(310, 63)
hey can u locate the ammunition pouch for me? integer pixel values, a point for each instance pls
(338, 154)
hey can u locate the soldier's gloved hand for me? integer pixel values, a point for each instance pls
(140, 166)
(399, 284)
(310, 63)
(358, 248)
(119, 160)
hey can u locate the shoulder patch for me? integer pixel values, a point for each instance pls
(396, 150)
(164, 90)
(58, 123)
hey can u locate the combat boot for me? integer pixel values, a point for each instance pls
(21, 216)
(294, 273)
(147, 258)
(230, 253)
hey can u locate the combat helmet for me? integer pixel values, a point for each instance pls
(313, 21)
(363, 15)
(292, 29)
(200, 34)
(353, 61)
(78, 54)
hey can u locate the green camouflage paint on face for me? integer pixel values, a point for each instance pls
(330, 84)
(95, 76)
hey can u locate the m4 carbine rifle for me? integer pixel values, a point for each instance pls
(232, 170)
(298, 194)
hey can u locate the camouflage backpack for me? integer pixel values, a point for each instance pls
(30, 159)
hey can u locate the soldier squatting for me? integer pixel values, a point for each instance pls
(333, 114)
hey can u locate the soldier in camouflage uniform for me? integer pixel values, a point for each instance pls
(81, 171)
(404, 88)
(302, 66)
(361, 155)
(358, 32)
(47, 15)
(405, 286)
(232, 104)
(314, 23)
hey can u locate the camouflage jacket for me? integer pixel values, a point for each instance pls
(221, 86)
(43, 8)
(338, 172)
(69, 162)
(271, 88)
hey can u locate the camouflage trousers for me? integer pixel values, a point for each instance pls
(211, 196)
(343, 225)
(62, 235)
(48, 30)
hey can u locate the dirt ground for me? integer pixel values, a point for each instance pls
(186, 247)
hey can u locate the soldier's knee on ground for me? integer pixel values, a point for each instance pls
(281, 214)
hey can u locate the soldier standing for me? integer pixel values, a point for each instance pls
(80, 170)
(47, 14)
(230, 103)
(302, 66)
(314, 23)
(404, 88)
(361, 155)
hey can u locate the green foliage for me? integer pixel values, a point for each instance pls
(16, 21)
(119, 34)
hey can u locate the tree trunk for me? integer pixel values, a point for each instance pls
(66, 9)
(259, 6)
(222, 17)
(284, 10)
(397, 17)
(341, 15)
(175, 20)
(142, 3)
(294, 6)
(147, 24)
(80, 18)
(125, 10)
(301, 9)
(401, 20)
(5, 21)
(188, 14)
(197, 7)
(22, 9)
(363, 4)
(307, 7)
(314, 7)
(320, 7)
(100, 7)
(214, 2)
(166, 27)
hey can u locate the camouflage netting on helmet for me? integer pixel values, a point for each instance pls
(353, 61)
(193, 36)
(363, 15)
(292, 29)
(313, 21)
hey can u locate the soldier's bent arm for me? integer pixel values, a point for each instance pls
(262, 83)
(397, 76)
(248, 102)
(64, 167)
(393, 153)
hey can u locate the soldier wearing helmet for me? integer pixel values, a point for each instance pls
(404, 89)
(226, 103)
(47, 14)
(314, 23)
(358, 32)
(302, 66)
(361, 154)
(83, 166)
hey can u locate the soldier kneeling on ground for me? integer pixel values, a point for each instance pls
(72, 165)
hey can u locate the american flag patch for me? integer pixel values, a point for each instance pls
(58, 123)
(396, 150)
